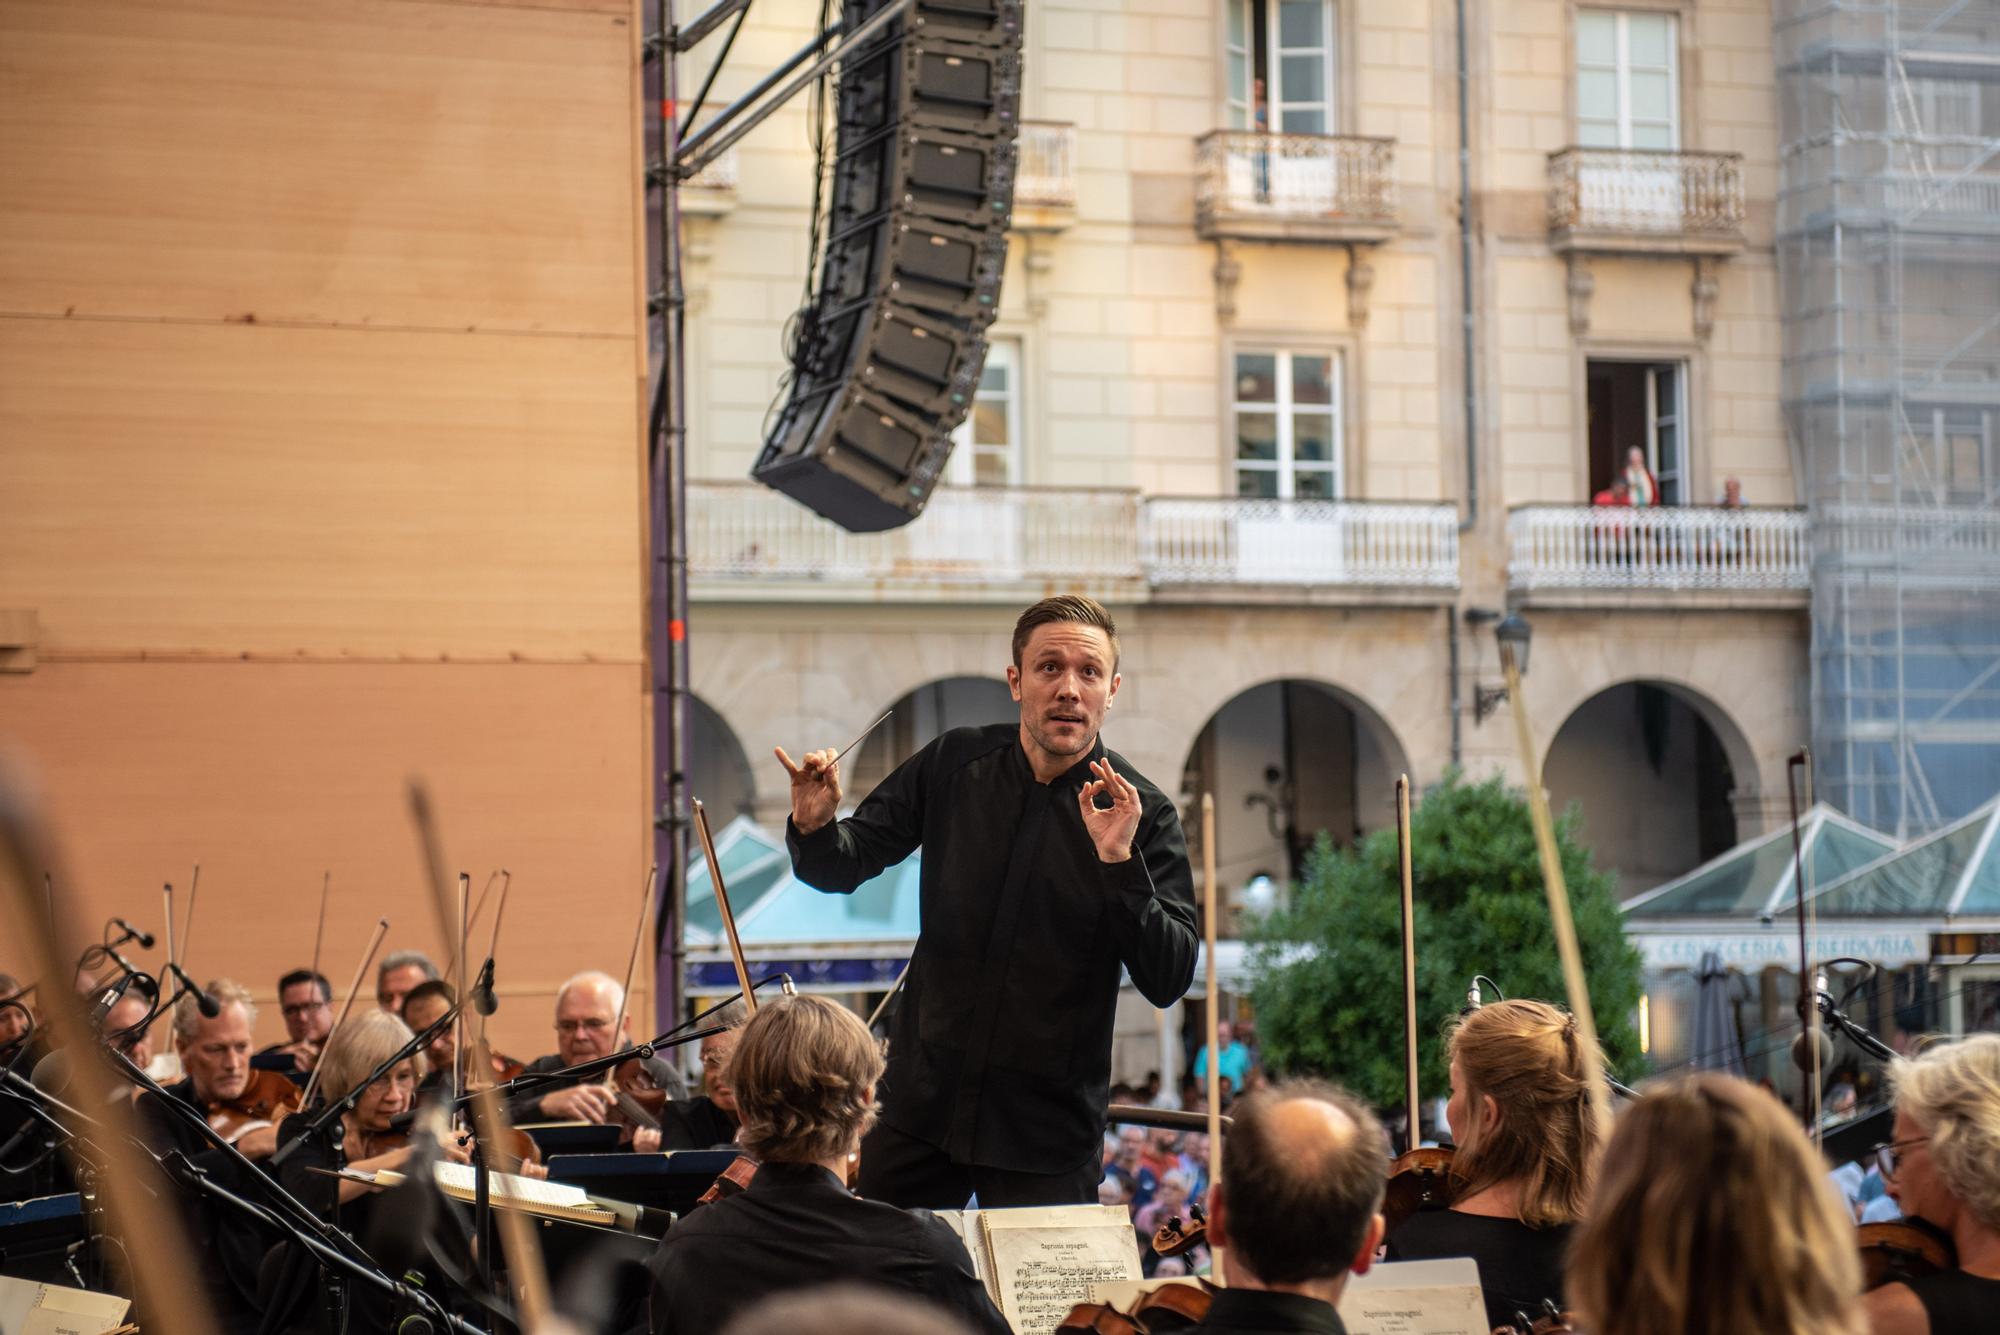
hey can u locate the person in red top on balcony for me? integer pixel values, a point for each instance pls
(1639, 479)
(1615, 494)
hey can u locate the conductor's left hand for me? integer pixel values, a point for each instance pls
(1111, 828)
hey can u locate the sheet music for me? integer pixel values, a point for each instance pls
(1046, 1260)
(31, 1308)
(1415, 1298)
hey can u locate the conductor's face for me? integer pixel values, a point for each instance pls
(1065, 682)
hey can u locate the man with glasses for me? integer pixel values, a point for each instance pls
(305, 999)
(587, 1010)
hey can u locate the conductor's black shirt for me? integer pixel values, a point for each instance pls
(1000, 1051)
(797, 1227)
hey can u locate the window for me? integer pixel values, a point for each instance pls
(986, 448)
(1627, 93)
(1280, 63)
(1286, 412)
(1642, 405)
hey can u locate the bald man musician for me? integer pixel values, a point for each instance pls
(1049, 864)
(1296, 1210)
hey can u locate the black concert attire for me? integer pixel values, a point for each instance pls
(527, 1107)
(1262, 1312)
(797, 1227)
(1000, 1049)
(1957, 1303)
(1519, 1266)
(228, 1245)
(695, 1124)
(369, 1308)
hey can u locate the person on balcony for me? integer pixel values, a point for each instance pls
(1732, 494)
(1639, 479)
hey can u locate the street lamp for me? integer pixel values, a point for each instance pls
(1514, 634)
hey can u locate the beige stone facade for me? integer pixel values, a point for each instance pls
(1127, 318)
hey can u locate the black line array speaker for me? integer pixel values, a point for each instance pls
(888, 354)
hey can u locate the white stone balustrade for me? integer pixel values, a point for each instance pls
(1657, 547)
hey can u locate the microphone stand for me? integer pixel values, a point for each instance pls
(176, 1166)
(1861, 1038)
(303, 1220)
(326, 1115)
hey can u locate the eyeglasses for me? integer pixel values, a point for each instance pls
(594, 1025)
(714, 1061)
(1889, 1154)
(305, 1008)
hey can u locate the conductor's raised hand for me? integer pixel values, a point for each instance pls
(1111, 828)
(815, 787)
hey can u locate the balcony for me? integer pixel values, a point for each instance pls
(1295, 187)
(748, 543)
(1234, 541)
(1621, 201)
(1756, 556)
(1045, 177)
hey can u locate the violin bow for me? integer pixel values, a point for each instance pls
(626, 1103)
(187, 927)
(1415, 1136)
(1213, 1006)
(1558, 894)
(493, 948)
(353, 990)
(1797, 765)
(319, 934)
(517, 1236)
(167, 891)
(164, 1267)
(890, 995)
(722, 902)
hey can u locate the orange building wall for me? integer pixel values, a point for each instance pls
(321, 389)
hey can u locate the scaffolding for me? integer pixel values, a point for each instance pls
(1889, 269)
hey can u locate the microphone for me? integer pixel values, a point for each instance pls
(1472, 1000)
(208, 1005)
(145, 939)
(482, 997)
(51, 1074)
(1802, 1049)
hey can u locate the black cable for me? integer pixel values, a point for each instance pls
(713, 70)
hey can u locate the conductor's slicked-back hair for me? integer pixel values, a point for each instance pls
(1072, 608)
(803, 1073)
(1303, 1170)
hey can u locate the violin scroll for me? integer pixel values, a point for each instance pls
(1179, 1235)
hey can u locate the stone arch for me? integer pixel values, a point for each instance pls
(920, 714)
(718, 767)
(1286, 758)
(1656, 768)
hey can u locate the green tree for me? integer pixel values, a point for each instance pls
(1327, 970)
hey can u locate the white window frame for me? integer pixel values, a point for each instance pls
(962, 469)
(1660, 417)
(1240, 111)
(1621, 72)
(1285, 466)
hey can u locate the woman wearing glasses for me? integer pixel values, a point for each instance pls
(1943, 1167)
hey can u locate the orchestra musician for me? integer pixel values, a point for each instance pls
(804, 1076)
(1942, 1165)
(399, 971)
(588, 1007)
(15, 1018)
(709, 1119)
(1527, 1148)
(1048, 863)
(1296, 1210)
(215, 1053)
(1713, 1212)
(305, 999)
(137, 1045)
(361, 1140)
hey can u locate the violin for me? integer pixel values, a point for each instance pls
(1419, 1179)
(265, 1101)
(731, 1181)
(1167, 1308)
(1898, 1252)
(1178, 1235)
(1553, 1321)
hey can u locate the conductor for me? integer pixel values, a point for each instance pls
(1049, 864)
